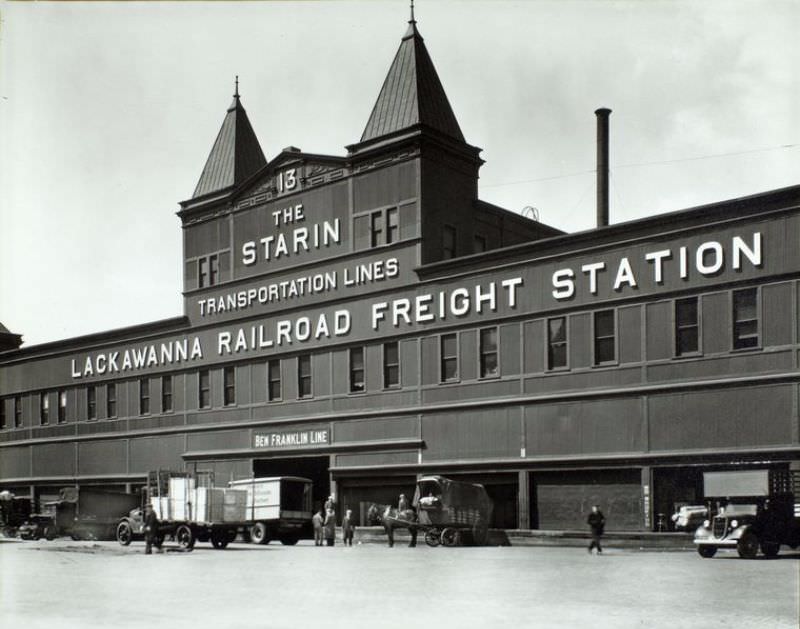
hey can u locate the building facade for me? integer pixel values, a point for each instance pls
(364, 319)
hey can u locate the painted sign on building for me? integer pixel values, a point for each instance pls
(309, 437)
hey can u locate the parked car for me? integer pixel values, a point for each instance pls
(38, 526)
(689, 517)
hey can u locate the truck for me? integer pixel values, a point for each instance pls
(89, 513)
(277, 508)
(189, 509)
(756, 509)
(14, 512)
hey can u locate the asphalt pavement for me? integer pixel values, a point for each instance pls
(68, 584)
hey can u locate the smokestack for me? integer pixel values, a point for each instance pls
(602, 166)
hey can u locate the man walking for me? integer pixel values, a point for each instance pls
(597, 522)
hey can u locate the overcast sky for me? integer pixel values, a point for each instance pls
(109, 110)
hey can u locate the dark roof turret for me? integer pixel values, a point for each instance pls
(236, 153)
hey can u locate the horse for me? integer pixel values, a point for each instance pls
(390, 518)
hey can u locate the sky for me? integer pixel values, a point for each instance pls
(108, 111)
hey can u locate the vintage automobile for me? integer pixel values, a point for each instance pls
(37, 526)
(689, 517)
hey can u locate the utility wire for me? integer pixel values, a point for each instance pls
(666, 161)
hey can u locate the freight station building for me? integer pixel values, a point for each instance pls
(364, 319)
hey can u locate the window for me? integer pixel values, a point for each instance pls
(488, 352)
(111, 400)
(604, 341)
(480, 243)
(391, 365)
(448, 242)
(745, 318)
(686, 326)
(304, 376)
(2, 413)
(204, 390)
(44, 409)
(229, 392)
(166, 394)
(213, 270)
(376, 229)
(202, 272)
(208, 271)
(274, 380)
(91, 402)
(17, 412)
(392, 225)
(144, 396)
(449, 357)
(384, 227)
(62, 406)
(356, 369)
(557, 343)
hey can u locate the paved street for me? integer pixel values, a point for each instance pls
(100, 584)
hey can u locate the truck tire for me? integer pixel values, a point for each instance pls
(288, 541)
(219, 539)
(50, 533)
(185, 537)
(747, 545)
(124, 533)
(258, 533)
(707, 552)
(770, 549)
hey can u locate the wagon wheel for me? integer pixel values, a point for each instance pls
(185, 537)
(432, 537)
(450, 537)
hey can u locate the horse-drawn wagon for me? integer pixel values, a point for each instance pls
(448, 512)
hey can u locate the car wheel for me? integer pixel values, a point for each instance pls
(124, 534)
(706, 552)
(748, 545)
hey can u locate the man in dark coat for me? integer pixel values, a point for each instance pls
(348, 528)
(150, 528)
(597, 522)
(317, 521)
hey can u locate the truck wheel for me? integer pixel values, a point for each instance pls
(770, 549)
(219, 539)
(707, 552)
(49, 533)
(124, 534)
(231, 535)
(748, 545)
(258, 533)
(185, 537)
(288, 541)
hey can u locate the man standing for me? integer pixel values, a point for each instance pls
(348, 528)
(330, 527)
(317, 521)
(597, 522)
(402, 504)
(150, 528)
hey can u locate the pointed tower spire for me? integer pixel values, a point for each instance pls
(236, 153)
(412, 93)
